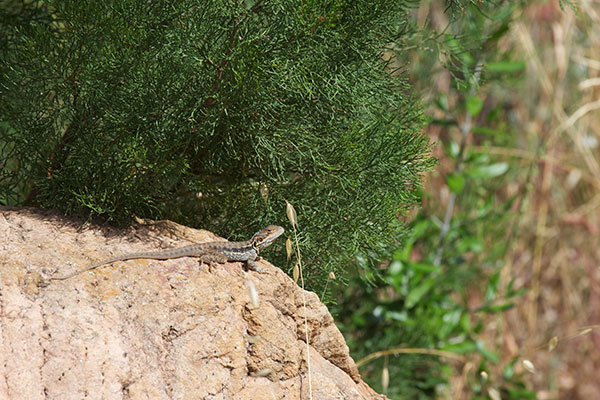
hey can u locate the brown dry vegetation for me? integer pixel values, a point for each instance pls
(556, 252)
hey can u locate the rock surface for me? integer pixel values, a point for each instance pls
(151, 329)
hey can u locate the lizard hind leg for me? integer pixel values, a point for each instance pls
(211, 258)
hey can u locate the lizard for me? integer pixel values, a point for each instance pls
(219, 252)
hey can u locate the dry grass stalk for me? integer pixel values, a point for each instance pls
(292, 216)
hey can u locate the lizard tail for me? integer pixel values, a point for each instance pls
(162, 255)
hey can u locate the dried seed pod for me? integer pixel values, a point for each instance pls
(385, 378)
(252, 293)
(552, 343)
(288, 248)
(291, 213)
(528, 365)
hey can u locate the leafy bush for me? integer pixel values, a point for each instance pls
(212, 114)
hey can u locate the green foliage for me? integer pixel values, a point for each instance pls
(424, 300)
(212, 114)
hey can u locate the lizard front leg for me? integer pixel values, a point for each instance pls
(252, 265)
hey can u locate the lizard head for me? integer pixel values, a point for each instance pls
(265, 237)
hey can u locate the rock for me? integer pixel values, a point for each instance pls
(151, 329)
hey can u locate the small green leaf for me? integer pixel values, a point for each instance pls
(478, 158)
(486, 353)
(508, 203)
(492, 288)
(425, 267)
(505, 66)
(469, 244)
(509, 370)
(488, 171)
(395, 267)
(496, 309)
(521, 394)
(520, 292)
(484, 130)
(474, 105)
(458, 50)
(460, 348)
(442, 101)
(453, 149)
(418, 292)
(456, 182)
(401, 316)
(465, 322)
